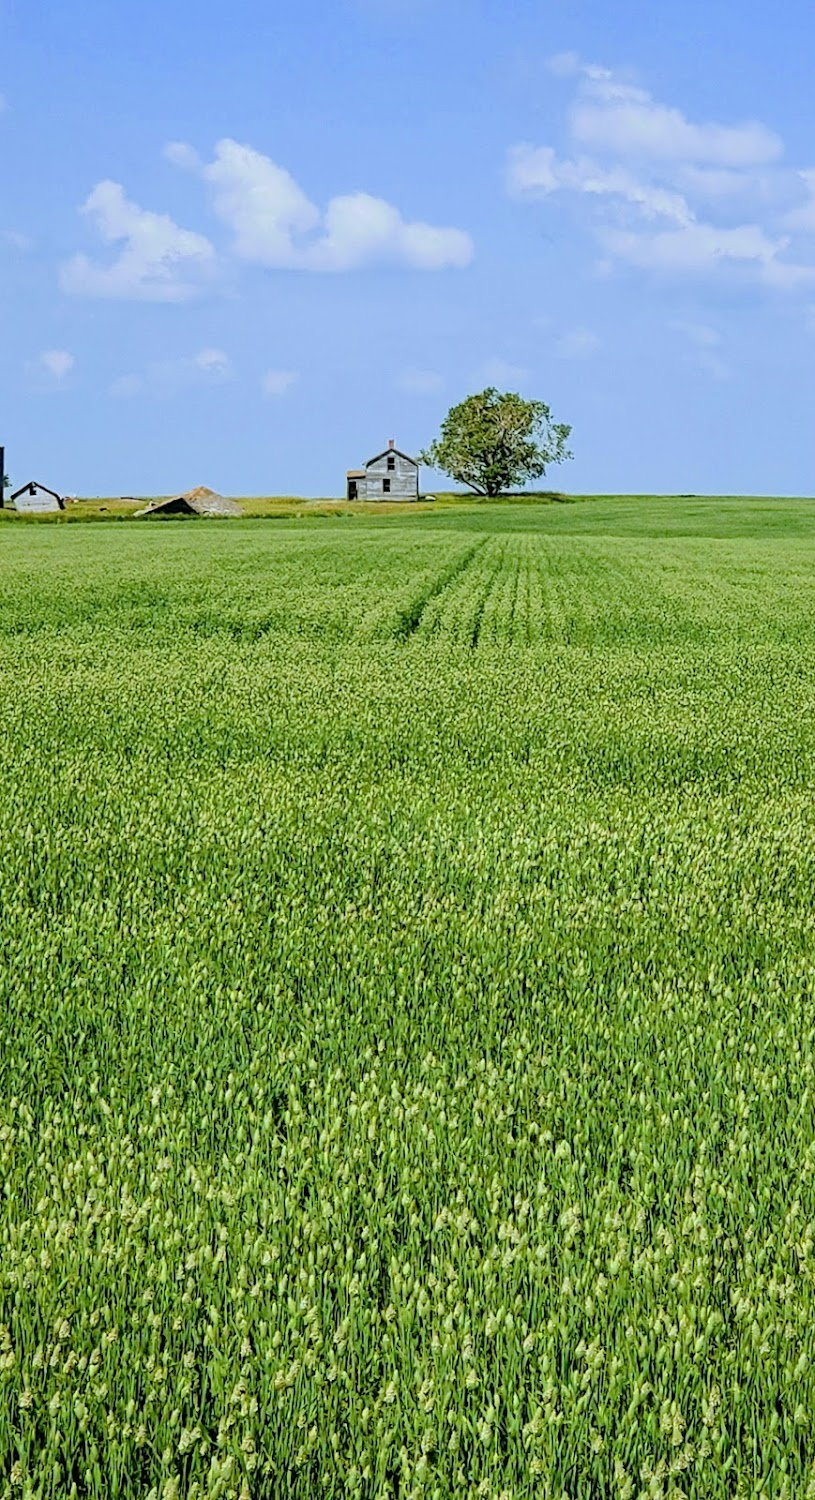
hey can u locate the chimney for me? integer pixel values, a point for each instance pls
(391, 443)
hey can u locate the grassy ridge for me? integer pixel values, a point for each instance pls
(407, 1016)
(670, 509)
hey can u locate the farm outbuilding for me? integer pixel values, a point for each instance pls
(178, 506)
(200, 502)
(391, 475)
(36, 499)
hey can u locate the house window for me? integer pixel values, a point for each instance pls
(386, 486)
(391, 463)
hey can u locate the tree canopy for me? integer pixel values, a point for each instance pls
(496, 441)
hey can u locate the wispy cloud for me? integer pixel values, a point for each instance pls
(170, 376)
(50, 370)
(614, 116)
(274, 223)
(665, 190)
(564, 64)
(694, 248)
(16, 241)
(537, 171)
(700, 334)
(158, 261)
(578, 343)
(705, 345)
(420, 382)
(214, 364)
(278, 382)
(57, 362)
(501, 372)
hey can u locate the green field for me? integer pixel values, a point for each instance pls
(407, 1021)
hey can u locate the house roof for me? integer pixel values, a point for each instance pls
(355, 474)
(33, 485)
(395, 451)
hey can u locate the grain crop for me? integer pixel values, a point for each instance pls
(407, 1006)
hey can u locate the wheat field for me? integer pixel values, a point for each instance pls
(407, 1006)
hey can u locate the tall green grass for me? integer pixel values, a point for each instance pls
(407, 1008)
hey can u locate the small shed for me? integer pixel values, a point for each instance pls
(199, 502)
(178, 506)
(390, 475)
(36, 499)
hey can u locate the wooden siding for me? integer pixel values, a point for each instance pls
(38, 503)
(404, 478)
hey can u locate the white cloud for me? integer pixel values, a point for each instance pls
(158, 261)
(564, 64)
(619, 118)
(694, 248)
(213, 363)
(361, 230)
(169, 376)
(50, 370)
(787, 276)
(275, 224)
(721, 183)
(57, 363)
(671, 196)
(712, 365)
(700, 334)
(278, 382)
(16, 241)
(803, 217)
(579, 343)
(536, 171)
(183, 156)
(420, 382)
(260, 202)
(499, 372)
(705, 343)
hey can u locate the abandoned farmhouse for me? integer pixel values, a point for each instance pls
(391, 475)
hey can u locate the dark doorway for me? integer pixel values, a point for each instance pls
(352, 489)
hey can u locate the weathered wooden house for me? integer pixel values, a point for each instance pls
(35, 499)
(391, 475)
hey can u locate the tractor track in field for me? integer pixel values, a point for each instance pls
(485, 596)
(413, 619)
(399, 621)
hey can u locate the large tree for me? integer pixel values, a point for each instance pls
(496, 441)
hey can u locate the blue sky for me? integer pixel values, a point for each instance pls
(243, 245)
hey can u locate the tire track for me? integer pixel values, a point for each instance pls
(482, 603)
(411, 618)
